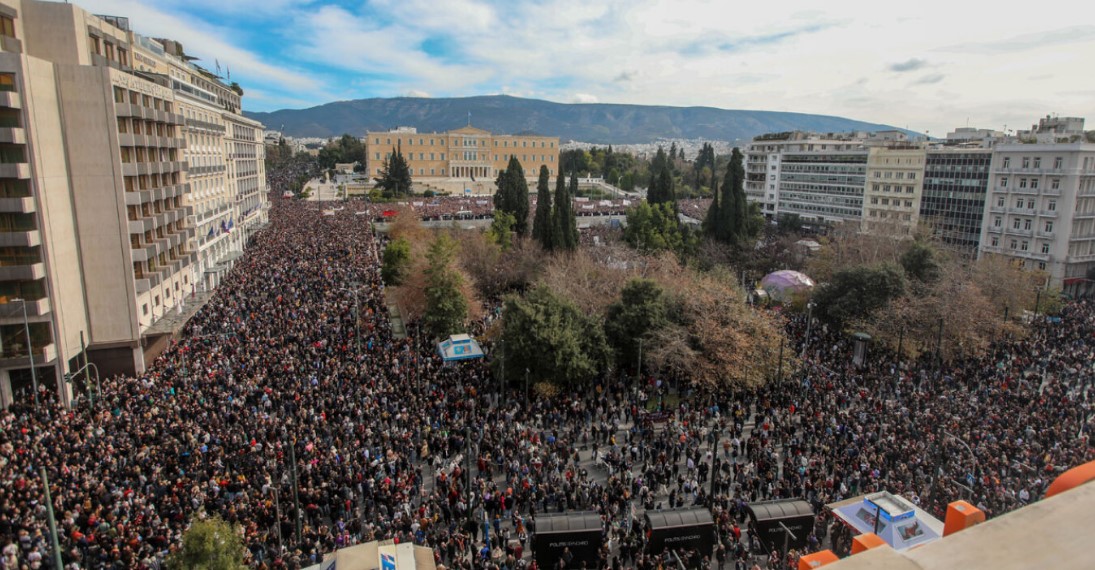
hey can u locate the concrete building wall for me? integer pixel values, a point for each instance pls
(893, 189)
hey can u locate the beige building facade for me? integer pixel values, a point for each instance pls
(466, 153)
(893, 190)
(98, 239)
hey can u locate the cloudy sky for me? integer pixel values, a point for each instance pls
(927, 65)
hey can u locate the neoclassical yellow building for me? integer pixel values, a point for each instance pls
(465, 153)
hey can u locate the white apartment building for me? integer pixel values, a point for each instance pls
(819, 179)
(1041, 210)
(98, 239)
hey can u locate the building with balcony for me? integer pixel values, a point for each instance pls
(466, 153)
(98, 241)
(1041, 210)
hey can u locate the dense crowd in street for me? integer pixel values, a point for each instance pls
(279, 392)
(438, 208)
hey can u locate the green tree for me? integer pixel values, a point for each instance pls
(654, 227)
(920, 262)
(641, 310)
(553, 339)
(446, 308)
(512, 195)
(565, 217)
(395, 177)
(543, 220)
(209, 544)
(396, 261)
(733, 221)
(501, 230)
(857, 292)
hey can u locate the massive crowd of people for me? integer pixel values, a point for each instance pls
(290, 389)
(438, 208)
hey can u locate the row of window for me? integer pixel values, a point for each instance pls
(892, 188)
(1031, 183)
(1033, 162)
(123, 95)
(468, 142)
(1023, 245)
(1051, 205)
(1022, 223)
(470, 156)
(896, 202)
(900, 175)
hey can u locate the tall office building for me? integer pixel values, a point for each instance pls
(955, 188)
(99, 240)
(821, 179)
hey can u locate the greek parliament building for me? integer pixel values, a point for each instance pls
(129, 182)
(465, 154)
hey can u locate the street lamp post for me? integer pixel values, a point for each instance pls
(809, 324)
(976, 463)
(30, 350)
(58, 564)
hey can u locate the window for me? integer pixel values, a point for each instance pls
(1055, 184)
(1007, 162)
(7, 26)
(900, 175)
(1000, 202)
(1034, 183)
(877, 174)
(1057, 162)
(874, 200)
(912, 176)
(874, 187)
(144, 309)
(1022, 182)
(1026, 224)
(1019, 203)
(1026, 162)
(995, 241)
(1052, 206)
(1049, 227)
(1045, 248)
(1025, 246)
(886, 188)
(1037, 162)
(1042, 265)
(1015, 224)
(1014, 244)
(997, 222)
(908, 203)
(1003, 181)
(908, 189)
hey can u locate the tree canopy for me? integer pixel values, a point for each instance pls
(553, 339)
(395, 176)
(209, 544)
(641, 310)
(542, 221)
(856, 292)
(446, 306)
(396, 261)
(512, 195)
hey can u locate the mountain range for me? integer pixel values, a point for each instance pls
(601, 123)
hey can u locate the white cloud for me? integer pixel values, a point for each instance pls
(418, 93)
(927, 65)
(583, 98)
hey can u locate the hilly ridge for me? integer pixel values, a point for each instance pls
(601, 123)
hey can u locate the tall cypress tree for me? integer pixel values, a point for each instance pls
(732, 214)
(711, 220)
(562, 209)
(568, 222)
(512, 195)
(542, 222)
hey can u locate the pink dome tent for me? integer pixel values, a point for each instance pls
(782, 286)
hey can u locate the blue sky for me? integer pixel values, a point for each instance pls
(929, 65)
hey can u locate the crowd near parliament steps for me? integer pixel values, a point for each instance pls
(269, 399)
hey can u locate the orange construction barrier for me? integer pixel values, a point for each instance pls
(960, 516)
(1072, 478)
(867, 541)
(817, 560)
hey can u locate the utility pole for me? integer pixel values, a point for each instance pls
(296, 498)
(58, 564)
(809, 324)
